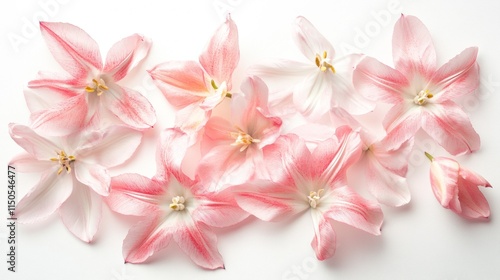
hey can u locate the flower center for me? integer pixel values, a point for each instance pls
(178, 203)
(64, 161)
(242, 139)
(98, 86)
(221, 90)
(323, 62)
(314, 198)
(422, 97)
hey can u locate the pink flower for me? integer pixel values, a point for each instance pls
(174, 207)
(457, 188)
(233, 149)
(196, 88)
(314, 181)
(423, 96)
(74, 174)
(62, 104)
(323, 82)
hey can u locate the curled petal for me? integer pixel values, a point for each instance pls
(324, 241)
(310, 41)
(72, 47)
(125, 55)
(94, 176)
(444, 180)
(172, 148)
(393, 158)
(222, 54)
(81, 212)
(130, 107)
(31, 142)
(472, 201)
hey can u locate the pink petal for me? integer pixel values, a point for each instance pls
(81, 212)
(64, 118)
(457, 77)
(219, 210)
(93, 175)
(412, 48)
(181, 82)
(31, 142)
(472, 201)
(313, 96)
(222, 54)
(350, 208)
(217, 132)
(401, 123)
(473, 178)
(27, 163)
(269, 201)
(45, 197)
(324, 241)
(387, 186)
(256, 96)
(125, 55)
(346, 97)
(110, 147)
(450, 126)
(444, 180)
(310, 41)
(72, 47)
(146, 238)
(377, 81)
(191, 119)
(393, 158)
(134, 194)
(130, 107)
(171, 150)
(282, 69)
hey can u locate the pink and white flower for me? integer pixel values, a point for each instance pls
(457, 188)
(232, 148)
(322, 83)
(174, 207)
(74, 174)
(195, 88)
(63, 104)
(423, 95)
(302, 180)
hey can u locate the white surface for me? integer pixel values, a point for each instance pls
(419, 241)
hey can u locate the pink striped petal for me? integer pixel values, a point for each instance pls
(473, 203)
(401, 123)
(72, 47)
(170, 154)
(324, 241)
(31, 142)
(81, 212)
(130, 107)
(412, 48)
(217, 132)
(181, 82)
(93, 175)
(450, 126)
(350, 208)
(222, 54)
(269, 201)
(191, 119)
(444, 179)
(134, 194)
(219, 210)
(393, 158)
(27, 163)
(379, 82)
(146, 238)
(125, 55)
(310, 41)
(45, 197)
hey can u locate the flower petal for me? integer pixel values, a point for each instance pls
(348, 207)
(393, 158)
(171, 150)
(472, 201)
(222, 53)
(217, 132)
(81, 212)
(27, 163)
(31, 142)
(191, 119)
(282, 69)
(72, 47)
(412, 48)
(219, 210)
(450, 126)
(45, 197)
(310, 41)
(324, 241)
(181, 82)
(401, 123)
(130, 107)
(346, 97)
(444, 180)
(313, 96)
(94, 176)
(125, 55)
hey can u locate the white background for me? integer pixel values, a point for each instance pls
(419, 241)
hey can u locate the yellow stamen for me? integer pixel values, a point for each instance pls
(64, 161)
(243, 139)
(429, 156)
(422, 97)
(323, 64)
(97, 86)
(314, 197)
(177, 203)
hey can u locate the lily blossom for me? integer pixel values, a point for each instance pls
(195, 88)
(457, 188)
(422, 94)
(321, 83)
(174, 207)
(74, 174)
(233, 149)
(63, 104)
(302, 180)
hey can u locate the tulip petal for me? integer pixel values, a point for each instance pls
(130, 107)
(313, 96)
(125, 55)
(393, 158)
(72, 47)
(472, 201)
(94, 176)
(401, 123)
(31, 142)
(219, 210)
(324, 241)
(310, 41)
(444, 180)
(81, 212)
(222, 53)
(27, 163)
